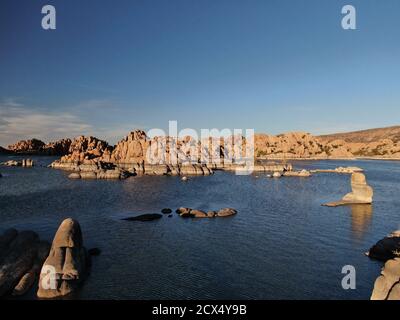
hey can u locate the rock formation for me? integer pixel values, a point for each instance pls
(343, 170)
(303, 173)
(58, 148)
(27, 146)
(194, 213)
(361, 193)
(21, 256)
(387, 285)
(68, 258)
(387, 248)
(26, 163)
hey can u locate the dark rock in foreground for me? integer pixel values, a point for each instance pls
(21, 257)
(387, 248)
(145, 217)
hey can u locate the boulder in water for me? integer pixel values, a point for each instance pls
(145, 217)
(387, 248)
(361, 193)
(68, 260)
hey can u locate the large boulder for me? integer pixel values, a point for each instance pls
(387, 285)
(68, 259)
(361, 192)
(387, 248)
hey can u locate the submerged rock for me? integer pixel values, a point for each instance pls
(145, 217)
(69, 260)
(387, 285)
(361, 193)
(166, 210)
(387, 248)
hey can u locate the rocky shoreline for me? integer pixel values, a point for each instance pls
(58, 269)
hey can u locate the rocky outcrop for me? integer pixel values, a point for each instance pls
(343, 170)
(194, 213)
(68, 260)
(21, 256)
(26, 163)
(387, 285)
(58, 148)
(32, 146)
(99, 173)
(376, 143)
(387, 248)
(361, 193)
(302, 173)
(297, 145)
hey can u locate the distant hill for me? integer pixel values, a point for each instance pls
(365, 136)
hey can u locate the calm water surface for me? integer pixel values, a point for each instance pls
(282, 245)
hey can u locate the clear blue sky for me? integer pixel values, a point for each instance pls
(275, 66)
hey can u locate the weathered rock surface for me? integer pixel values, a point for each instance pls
(387, 248)
(302, 173)
(344, 170)
(387, 285)
(194, 213)
(26, 163)
(226, 212)
(361, 193)
(21, 256)
(145, 217)
(69, 260)
(58, 148)
(32, 146)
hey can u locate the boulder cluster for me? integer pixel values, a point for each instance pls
(26, 163)
(194, 213)
(387, 285)
(21, 257)
(60, 268)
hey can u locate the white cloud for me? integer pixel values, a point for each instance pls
(19, 122)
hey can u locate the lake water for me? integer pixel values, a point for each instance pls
(281, 245)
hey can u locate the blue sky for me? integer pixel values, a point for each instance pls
(275, 66)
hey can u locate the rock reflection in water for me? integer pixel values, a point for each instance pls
(361, 217)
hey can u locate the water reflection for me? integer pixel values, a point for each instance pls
(361, 218)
